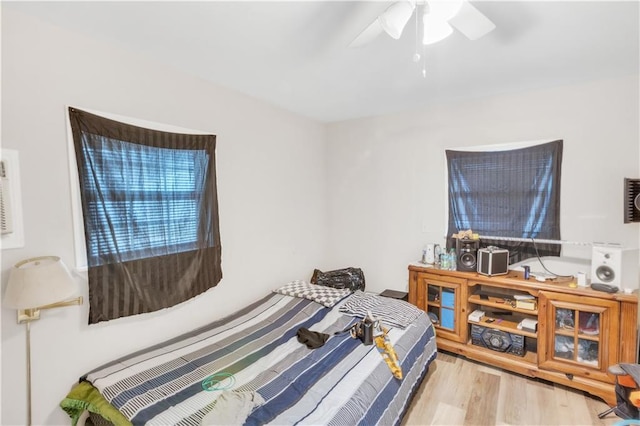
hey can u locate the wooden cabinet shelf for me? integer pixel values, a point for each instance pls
(580, 331)
(495, 302)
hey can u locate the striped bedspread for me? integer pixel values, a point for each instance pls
(255, 353)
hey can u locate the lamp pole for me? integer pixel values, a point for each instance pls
(27, 316)
(29, 372)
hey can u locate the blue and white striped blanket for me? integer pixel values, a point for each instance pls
(256, 351)
(392, 312)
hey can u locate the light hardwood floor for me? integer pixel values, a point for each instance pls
(457, 391)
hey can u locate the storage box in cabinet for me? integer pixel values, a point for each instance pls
(448, 298)
(448, 318)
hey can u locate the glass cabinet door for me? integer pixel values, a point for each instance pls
(441, 305)
(577, 336)
(444, 306)
(572, 335)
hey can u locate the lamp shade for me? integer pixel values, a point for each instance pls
(38, 282)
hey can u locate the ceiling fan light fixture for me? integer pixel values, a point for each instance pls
(394, 19)
(435, 29)
(444, 9)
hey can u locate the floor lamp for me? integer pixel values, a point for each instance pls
(34, 285)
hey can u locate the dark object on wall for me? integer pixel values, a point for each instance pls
(631, 200)
(467, 254)
(351, 278)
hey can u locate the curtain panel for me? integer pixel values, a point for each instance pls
(511, 193)
(150, 212)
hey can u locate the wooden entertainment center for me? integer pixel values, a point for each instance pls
(580, 332)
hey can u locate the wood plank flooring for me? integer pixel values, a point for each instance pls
(457, 391)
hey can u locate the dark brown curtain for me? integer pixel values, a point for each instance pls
(512, 193)
(150, 210)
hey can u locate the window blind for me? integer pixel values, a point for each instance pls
(511, 193)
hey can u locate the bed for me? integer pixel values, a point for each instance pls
(251, 368)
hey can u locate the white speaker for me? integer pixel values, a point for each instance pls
(615, 265)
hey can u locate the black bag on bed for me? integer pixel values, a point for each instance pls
(351, 278)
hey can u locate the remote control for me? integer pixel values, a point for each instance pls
(605, 287)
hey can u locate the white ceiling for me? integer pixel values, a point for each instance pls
(295, 54)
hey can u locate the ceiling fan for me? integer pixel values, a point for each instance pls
(439, 17)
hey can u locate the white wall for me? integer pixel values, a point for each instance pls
(271, 187)
(387, 174)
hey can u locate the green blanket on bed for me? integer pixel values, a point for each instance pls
(85, 397)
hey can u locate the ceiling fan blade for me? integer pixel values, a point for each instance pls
(395, 18)
(471, 22)
(368, 35)
(392, 21)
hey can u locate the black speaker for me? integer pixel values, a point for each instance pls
(631, 200)
(467, 255)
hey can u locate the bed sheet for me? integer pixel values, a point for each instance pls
(254, 353)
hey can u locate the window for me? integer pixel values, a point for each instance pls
(513, 193)
(141, 201)
(12, 230)
(150, 215)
